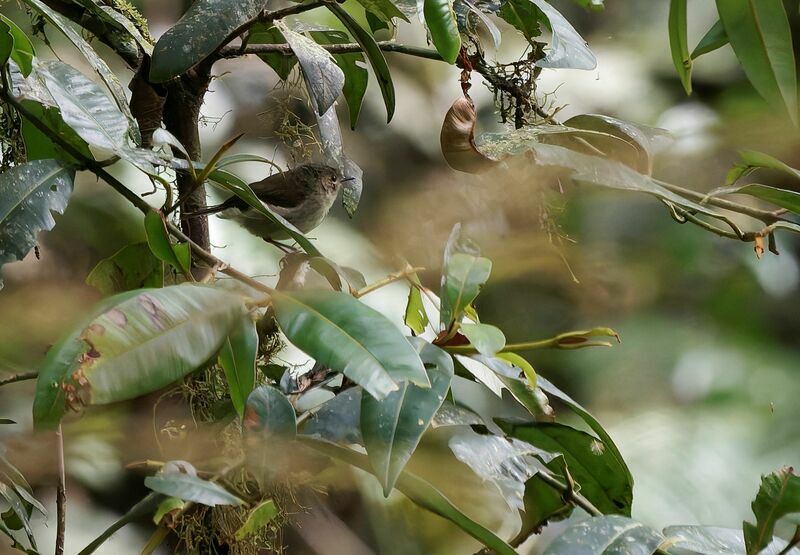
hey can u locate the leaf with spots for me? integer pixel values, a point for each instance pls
(206, 25)
(146, 341)
(393, 427)
(29, 193)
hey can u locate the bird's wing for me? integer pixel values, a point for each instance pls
(281, 189)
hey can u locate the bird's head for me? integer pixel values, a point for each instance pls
(329, 177)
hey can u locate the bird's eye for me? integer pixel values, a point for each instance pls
(333, 179)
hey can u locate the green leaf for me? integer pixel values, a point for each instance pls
(151, 339)
(609, 534)
(784, 198)
(507, 463)
(542, 502)
(421, 493)
(270, 413)
(441, 21)
(168, 505)
(132, 267)
(488, 340)
(752, 160)
(679, 43)
(21, 50)
(524, 16)
(28, 195)
(355, 75)
(39, 146)
(714, 39)
(522, 364)
(330, 135)
(384, 10)
(85, 107)
(241, 189)
(586, 169)
(18, 510)
(126, 30)
(567, 50)
(761, 37)
(464, 275)
(238, 361)
(101, 68)
(630, 143)
(324, 80)
(269, 34)
(338, 420)
(415, 317)
(183, 483)
(6, 44)
(61, 361)
(393, 426)
(159, 242)
(712, 540)
(346, 335)
(206, 25)
(603, 480)
(259, 517)
(778, 496)
(586, 416)
(374, 56)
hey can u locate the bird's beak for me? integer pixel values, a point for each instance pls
(348, 179)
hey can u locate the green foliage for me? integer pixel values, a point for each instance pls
(28, 195)
(778, 496)
(207, 25)
(238, 361)
(441, 22)
(132, 267)
(760, 35)
(605, 534)
(346, 335)
(371, 386)
(179, 479)
(393, 427)
(679, 43)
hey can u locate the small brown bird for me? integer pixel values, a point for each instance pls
(302, 195)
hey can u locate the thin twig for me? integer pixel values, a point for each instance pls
(61, 495)
(19, 378)
(391, 278)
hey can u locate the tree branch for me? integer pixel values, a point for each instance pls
(19, 378)
(346, 48)
(61, 495)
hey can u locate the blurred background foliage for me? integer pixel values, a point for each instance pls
(701, 395)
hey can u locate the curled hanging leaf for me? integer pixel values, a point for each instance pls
(457, 139)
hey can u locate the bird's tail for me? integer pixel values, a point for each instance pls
(209, 209)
